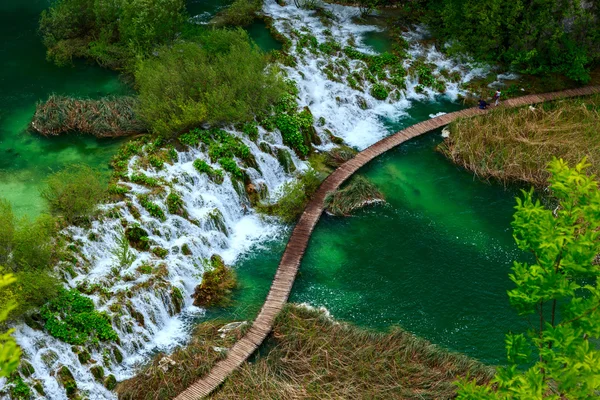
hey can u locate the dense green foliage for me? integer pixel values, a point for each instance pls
(294, 197)
(27, 251)
(113, 32)
(9, 351)
(71, 317)
(558, 358)
(218, 281)
(220, 77)
(535, 37)
(74, 192)
(239, 13)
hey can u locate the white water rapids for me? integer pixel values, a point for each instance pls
(207, 202)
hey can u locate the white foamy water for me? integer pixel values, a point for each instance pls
(220, 219)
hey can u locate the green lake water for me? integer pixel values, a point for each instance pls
(26, 78)
(434, 260)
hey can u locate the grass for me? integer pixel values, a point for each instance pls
(308, 355)
(517, 144)
(106, 117)
(356, 194)
(161, 379)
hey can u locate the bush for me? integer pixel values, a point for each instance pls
(113, 32)
(239, 13)
(221, 78)
(379, 91)
(294, 197)
(71, 317)
(74, 192)
(217, 284)
(175, 204)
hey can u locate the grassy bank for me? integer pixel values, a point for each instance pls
(517, 144)
(312, 356)
(309, 355)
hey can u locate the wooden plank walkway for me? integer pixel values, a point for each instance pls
(290, 261)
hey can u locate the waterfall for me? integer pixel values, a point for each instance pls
(144, 311)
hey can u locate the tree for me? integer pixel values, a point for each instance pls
(9, 351)
(560, 289)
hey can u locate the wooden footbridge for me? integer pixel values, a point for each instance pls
(290, 262)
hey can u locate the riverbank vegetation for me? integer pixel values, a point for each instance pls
(106, 117)
(309, 355)
(113, 33)
(517, 144)
(548, 38)
(356, 194)
(559, 293)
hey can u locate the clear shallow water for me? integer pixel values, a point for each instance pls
(26, 78)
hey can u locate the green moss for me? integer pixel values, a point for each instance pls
(26, 369)
(138, 237)
(177, 299)
(153, 209)
(379, 91)
(71, 317)
(160, 252)
(110, 382)
(215, 175)
(84, 356)
(97, 372)
(118, 355)
(156, 161)
(65, 377)
(20, 390)
(143, 179)
(217, 284)
(175, 203)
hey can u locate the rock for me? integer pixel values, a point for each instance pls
(110, 382)
(118, 355)
(26, 369)
(84, 356)
(445, 132)
(97, 372)
(166, 363)
(285, 159)
(265, 148)
(65, 378)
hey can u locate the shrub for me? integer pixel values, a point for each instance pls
(294, 197)
(231, 166)
(239, 13)
(71, 317)
(235, 82)
(74, 192)
(217, 284)
(160, 252)
(214, 175)
(111, 32)
(137, 237)
(358, 193)
(143, 179)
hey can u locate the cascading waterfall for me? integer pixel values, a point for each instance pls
(151, 311)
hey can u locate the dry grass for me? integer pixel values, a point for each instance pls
(106, 117)
(311, 356)
(517, 144)
(153, 382)
(356, 194)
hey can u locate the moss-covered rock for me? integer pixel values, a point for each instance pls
(26, 369)
(65, 377)
(137, 237)
(97, 372)
(39, 388)
(217, 284)
(110, 382)
(285, 159)
(216, 221)
(118, 355)
(84, 356)
(265, 148)
(177, 299)
(185, 250)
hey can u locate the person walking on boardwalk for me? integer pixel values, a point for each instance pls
(482, 104)
(497, 98)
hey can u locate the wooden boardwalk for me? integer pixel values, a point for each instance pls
(290, 261)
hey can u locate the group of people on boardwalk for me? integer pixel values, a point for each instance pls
(496, 99)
